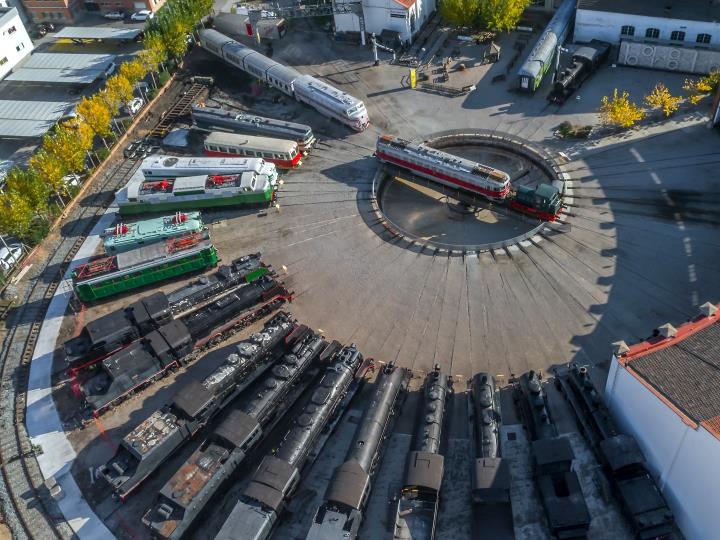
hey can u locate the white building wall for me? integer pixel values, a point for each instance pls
(606, 26)
(684, 460)
(387, 15)
(15, 43)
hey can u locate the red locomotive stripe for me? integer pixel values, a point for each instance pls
(284, 163)
(465, 185)
(523, 208)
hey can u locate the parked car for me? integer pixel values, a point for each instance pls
(72, 180)
(133, 106)
(142, 15)
(131, 150)
(10, 256)
(117, 15)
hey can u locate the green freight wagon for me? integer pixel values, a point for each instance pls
(107, 276)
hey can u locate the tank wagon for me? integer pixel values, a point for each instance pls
(621, 457)
(126, 236)
(444, 168)
(340, 515)
(159, 436)
(558, 484)
(282, 152)
(260, 505)
(491, 478)
(170, 345)
(540, 59)
(158, 166)
(141, 195)
(109, 275)
(191, 488)
(209, 119)
(417, 508)
(326, 99)
(122, 327)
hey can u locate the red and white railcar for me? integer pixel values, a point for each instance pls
(282, 153)
(444, 168)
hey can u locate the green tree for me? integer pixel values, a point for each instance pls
(460, 12)
(501, 15)
(619, 111)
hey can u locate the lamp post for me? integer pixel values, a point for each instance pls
(559, 49)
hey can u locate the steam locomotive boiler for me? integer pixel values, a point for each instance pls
(158, 437)
(260, 505)
(187, 493)
(417, 508)
(340, 515)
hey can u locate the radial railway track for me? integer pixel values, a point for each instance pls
(27, 507)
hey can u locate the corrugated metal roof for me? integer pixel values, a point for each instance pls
(68, 61)
(29, 119)
(97, 32)
(62, 76)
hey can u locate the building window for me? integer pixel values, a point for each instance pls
(652, 33)
(677, 35)
(703, 38)
(3, 61)
(627, 31)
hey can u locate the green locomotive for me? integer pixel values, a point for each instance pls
(106, 276)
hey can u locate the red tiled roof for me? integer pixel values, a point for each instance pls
(407, 4)
(683, 371)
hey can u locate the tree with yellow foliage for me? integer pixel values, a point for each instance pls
(133, 71)
(118, 91)
(699, 89)
(619, 111)
(48, 169)
(62, 144)
(661, 98)
(460, 12)
(95, 112)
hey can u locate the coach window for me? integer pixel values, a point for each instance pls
(703, 38)
(677, 35)
(627, 31)
(653, 33)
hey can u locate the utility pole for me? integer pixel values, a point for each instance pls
(559, 49)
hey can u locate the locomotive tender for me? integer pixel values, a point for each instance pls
(444, 168)
(155, 439)
(260, 505)
(210, 119)
(417, 508)
(326, 99)
(190, 489)
(558, 484)
(339, 517)
(126, 236)
(622, 459)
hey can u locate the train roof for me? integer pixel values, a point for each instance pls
(312, 85)
(145, 436)
(270, 482)
(241, 117)
(144, 257)
(620, 451)
(200, 163)
(251, 142)
(348, 485)
(424, 470)
(492, 474)
(553, 453)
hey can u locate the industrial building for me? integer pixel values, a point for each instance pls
(67, 11)
(665, 391)
(406, 17)
(15, 43)
(674, 35)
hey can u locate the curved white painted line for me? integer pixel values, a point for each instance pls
(42, 420)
